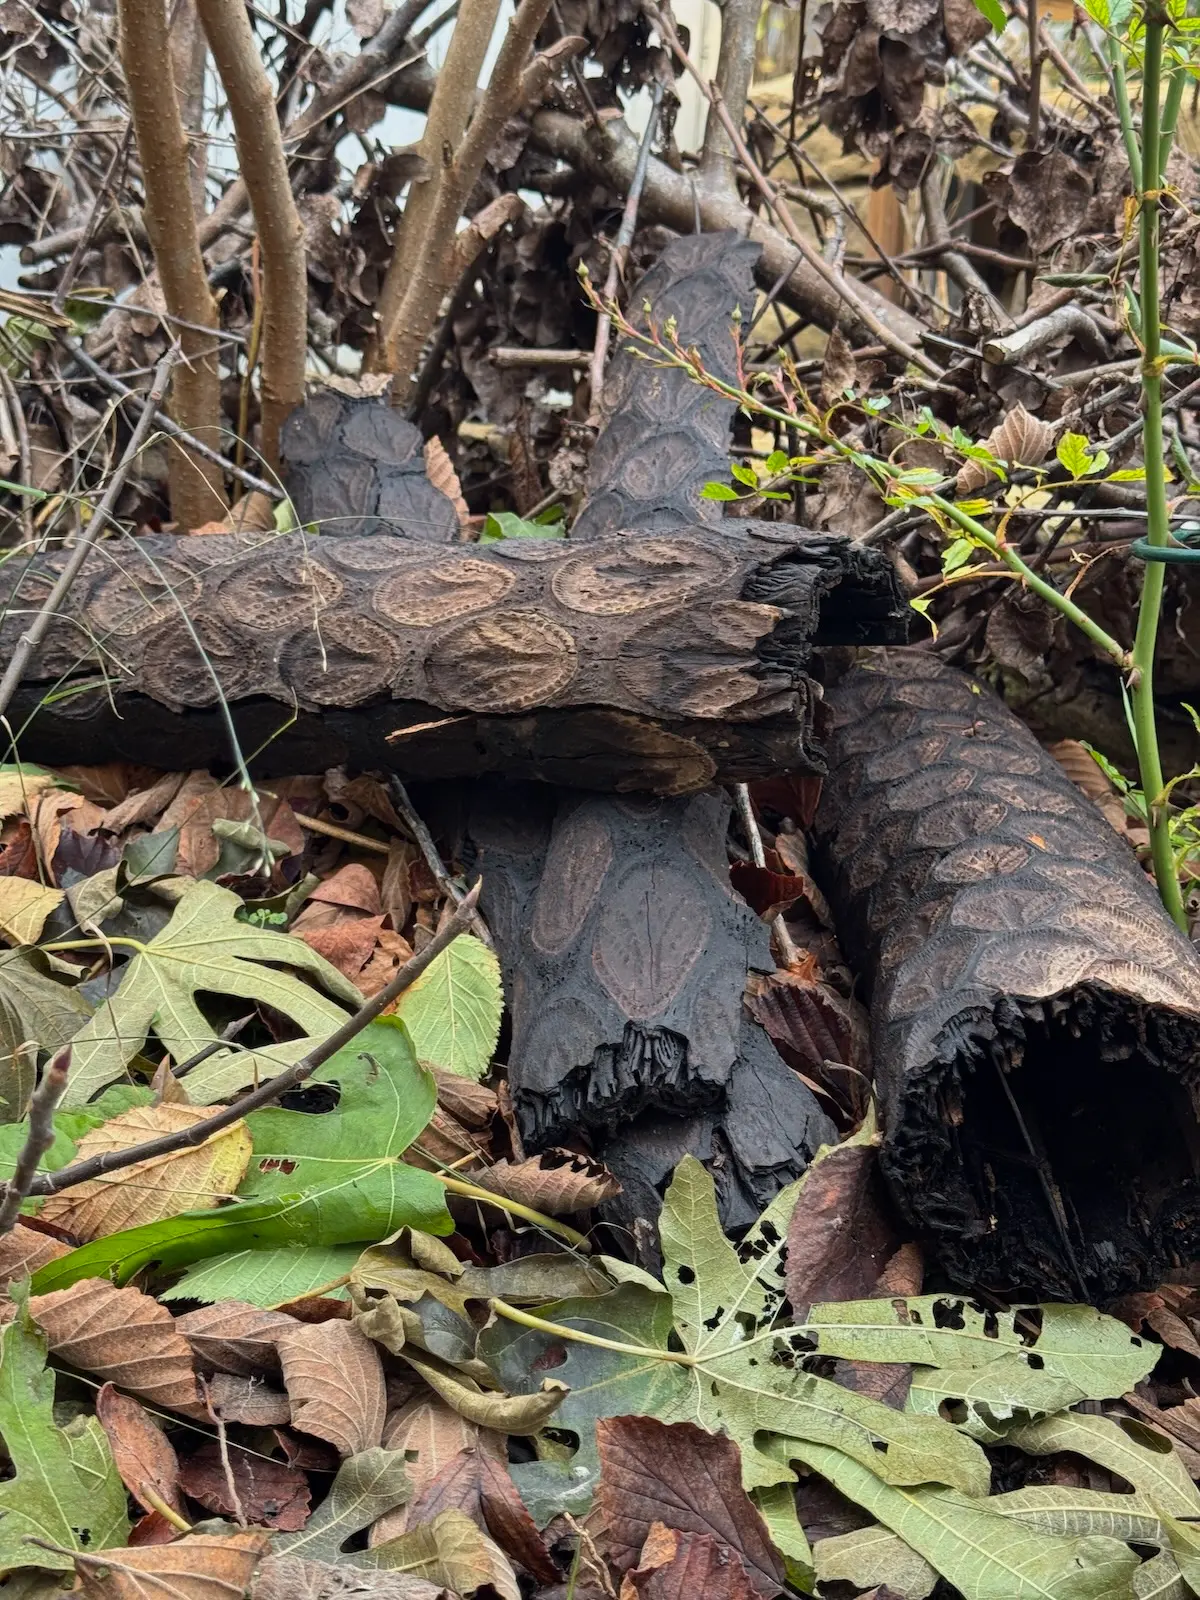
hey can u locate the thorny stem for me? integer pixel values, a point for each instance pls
(1158, 524)
(679, 1358)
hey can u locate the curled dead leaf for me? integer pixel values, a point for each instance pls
(124, 1337)
(334, 1379)
(184, 1180)
(441, 473)
(1020, 440)
(556, 1182)
(507, 1413)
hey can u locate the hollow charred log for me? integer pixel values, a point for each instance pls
(1035, 1015)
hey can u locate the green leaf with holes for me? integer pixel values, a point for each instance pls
(1145, 1458)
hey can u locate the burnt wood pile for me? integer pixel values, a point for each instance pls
(1035, 1017)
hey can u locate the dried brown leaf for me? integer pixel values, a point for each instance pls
(841, 1236)
(1020, 440)
(478, 1484)
(143, 1454)
(682, 1566)
(233, 1336)
(334, 1379)
(347, 943)
(507, 1413)
(679, 1475)
(1073, 758)
(430, 1434)
(121, 1336)
(24, 1250)
(473, 1104)
(197, 1567)
(441, 474)
(392, 951)
(292, 1578)
(556, 1182)
(184, 1180)
(360, 797)
(269, 1492)
(353, 887)
(248, 1401)
(24, 907)
(201, 801)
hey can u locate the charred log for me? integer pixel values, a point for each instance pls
(664, 664)
(626, 955)
(1035, 1015)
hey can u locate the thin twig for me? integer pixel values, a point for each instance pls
(40, 626)
(42, 1106)
(218, 1422)
(787, 950)
(620, 251)
(415, 824)
(199, 1132)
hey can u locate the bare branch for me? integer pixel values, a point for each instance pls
(82, 547)
(197, 494)
(189, 58)
(735, 70)
(957, 265)
(100, 1166)
(280, 232)
(42, 1106)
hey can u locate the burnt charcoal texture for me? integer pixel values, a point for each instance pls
(663, 663)
(1035, 1015)
(626, 955)
(666, 436)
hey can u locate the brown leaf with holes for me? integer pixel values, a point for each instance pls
(556, 1182)
(121, 1336)
(24, 1250)
(1020, 440)
(480, 1485)
(392, 951)
(441, 474)
(334, 1379)
(270, 1493)
(684, 1566)
(679, 1475)
(141, 1450)
(234, 1336)
(149, 1191)
(199, 1566)
(248, 1401)
(841, 1235)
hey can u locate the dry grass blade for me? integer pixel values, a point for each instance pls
(183, 1180)
(334, 1379)
(141, 1450)
(121, 1336)
(199, 1567)
(235, 1337)
(557, 1182)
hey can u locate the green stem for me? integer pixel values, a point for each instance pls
(1125, 111)
(1170, 117)
(1145, 728)
(93, 944)
(473, 1191)
(577, 1336)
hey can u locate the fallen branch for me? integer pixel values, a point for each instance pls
(42, 1106)
(197, 493)
(29, 641)
(280, 232)
(956, 264)
(198, 1133)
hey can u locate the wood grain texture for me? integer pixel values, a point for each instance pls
(1015, 954)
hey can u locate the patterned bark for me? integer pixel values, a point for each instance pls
(1035, 1015)
(626, 955)
(663, 663)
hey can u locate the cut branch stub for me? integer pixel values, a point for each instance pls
(660, 663)
(1035, 1015)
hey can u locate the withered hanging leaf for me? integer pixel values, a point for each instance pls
(682, 1476)
(334, 1379)
(234, 1336)
(481, 1486)
(149, 1191)
(680, 1566)
(269, 1492)
(197, 1567)
(452, 1551)
(23, 1250)
(141, 1450)
(441, 473)
(557, 1182)
(121, 1336)
(1020, 440)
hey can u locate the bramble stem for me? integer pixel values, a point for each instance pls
(1145, 729)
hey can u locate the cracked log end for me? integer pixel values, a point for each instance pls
(1035, 1015)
